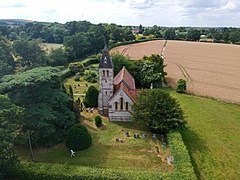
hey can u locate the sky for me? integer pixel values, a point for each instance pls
(204, 13)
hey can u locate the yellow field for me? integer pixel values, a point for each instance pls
(210, 69)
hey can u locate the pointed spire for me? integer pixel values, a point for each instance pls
(106, 59)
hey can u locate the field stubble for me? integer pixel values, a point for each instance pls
(210, 69)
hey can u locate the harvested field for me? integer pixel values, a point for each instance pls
(210, 69)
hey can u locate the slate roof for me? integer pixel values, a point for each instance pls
(106, 59)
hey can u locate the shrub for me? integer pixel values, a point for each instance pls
(77, 77)
(91, 98)
(78, 138)
(76, 67)
(98, 121)
(90, 76)
(181, 86)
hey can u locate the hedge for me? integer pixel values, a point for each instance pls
(183, 168)
(40, 171)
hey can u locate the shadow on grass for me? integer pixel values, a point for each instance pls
(132, 125)
(194, 144)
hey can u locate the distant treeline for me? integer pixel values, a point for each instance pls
(57, 32)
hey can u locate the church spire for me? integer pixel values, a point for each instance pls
(106, 59)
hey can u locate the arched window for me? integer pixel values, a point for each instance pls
(107, 73)
(103, 73)
(126, 106)
(121, 103)
(116, 106)
(105, 92)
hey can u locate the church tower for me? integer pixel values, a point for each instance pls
(106, 77)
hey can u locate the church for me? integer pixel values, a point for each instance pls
(117, 94)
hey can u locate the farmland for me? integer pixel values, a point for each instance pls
(211, 69)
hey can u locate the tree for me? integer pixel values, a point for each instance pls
(170, 34)
(9, 115)
(98, 121)
(91, 98)
(57, 57)
(30, 54)
(158, 110)
(234, 36)
(181, 86)
(77, 46)
(48, 113)
(193, 35)
(141, 30)
(90, 76)
(153, 70)
(78, 138)
(76, 67)
(7, 64)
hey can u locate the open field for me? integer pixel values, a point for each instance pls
(212, 137)
(49, 46)
(105, 152)
(211, 69)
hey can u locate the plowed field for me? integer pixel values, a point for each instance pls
(210, 69)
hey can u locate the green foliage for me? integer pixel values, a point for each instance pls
(41, 171)
(158, 110)
(98, 121)
(234, 36)
(193, 35)
(7, 64)
(77, 46)
(29, 53)
(183, 168)
(181, 86)
(153, 70)
(48, 113)
(57, 57)
(76, 67)
(78, 138)
(9, 115)
(77, 77)
(90, 76)
(91, 98)
(170, 34)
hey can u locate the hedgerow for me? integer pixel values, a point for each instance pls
(183, 168)
(39, 171)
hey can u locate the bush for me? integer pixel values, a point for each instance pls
(76, 67)
(90, 76)
(181, 86)
(39, 171)
(91, 98)
(98, 121)
(78, 138)
(77, 77)
(183, 168)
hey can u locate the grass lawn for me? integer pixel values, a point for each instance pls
(132, 154)
(48, 46)
(79, 87)
(213, 136)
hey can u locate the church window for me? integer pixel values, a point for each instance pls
(121, 103)
(107, 73)
(105, 92)
(116, 105)
(103, 73)
(126, 106)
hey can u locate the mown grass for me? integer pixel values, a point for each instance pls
(105, 152)
(212, 137)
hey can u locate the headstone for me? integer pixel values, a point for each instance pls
(143, 136)
(127, 134)
(154, 136)
(117, 139)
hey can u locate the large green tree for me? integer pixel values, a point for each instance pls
(30, 53)
(48, 112)
(193, 35)
(153, 70)
(158, 110)
(91, 98)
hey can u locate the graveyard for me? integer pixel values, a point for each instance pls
(114, 146)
